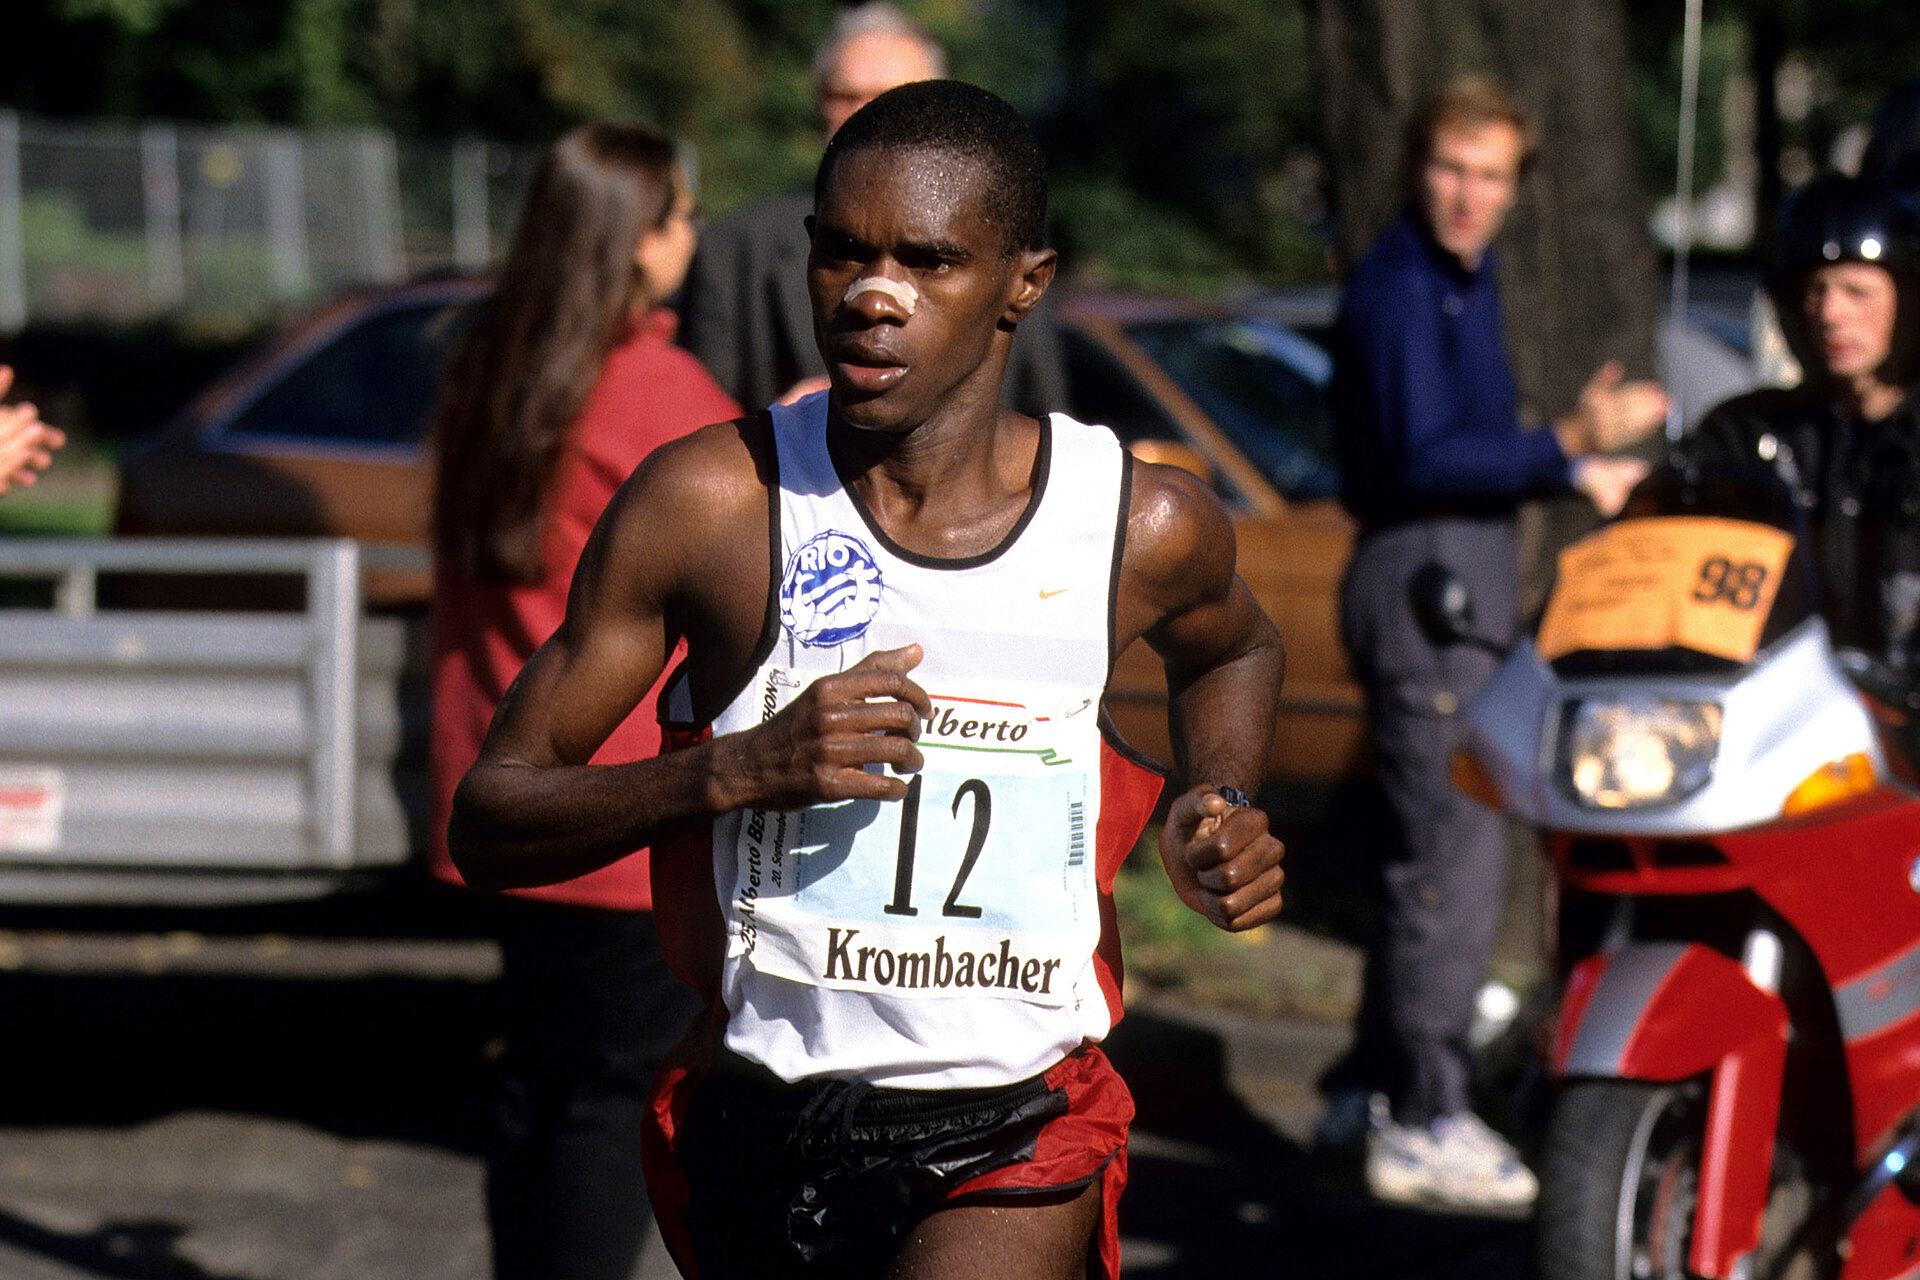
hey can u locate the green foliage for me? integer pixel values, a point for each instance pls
(1153, 920)
(1654, 49)
(138, 17)
(319, 57)
(73, 499)
(54, 228)
(66, 254)
(1183, 134)
(1175, 129)
(1178, 135)
(59, 515)
(21, 513)
(1838, 58)
(1854, 50)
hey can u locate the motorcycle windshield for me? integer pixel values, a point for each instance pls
(1698, 575)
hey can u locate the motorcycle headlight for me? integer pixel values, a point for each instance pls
(1628, 754)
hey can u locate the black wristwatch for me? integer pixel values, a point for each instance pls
(1233, 796)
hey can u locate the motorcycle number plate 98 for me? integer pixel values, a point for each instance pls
(1697, 582)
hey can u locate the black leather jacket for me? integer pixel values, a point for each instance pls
(1857, 485)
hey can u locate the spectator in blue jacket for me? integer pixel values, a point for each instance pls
(1435, 461)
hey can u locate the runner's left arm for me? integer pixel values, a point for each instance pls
(1224, 664)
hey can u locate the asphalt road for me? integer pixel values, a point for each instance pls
(264, 1106)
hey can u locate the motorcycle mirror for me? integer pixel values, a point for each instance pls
(1442, 605)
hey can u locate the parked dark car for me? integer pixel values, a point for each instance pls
(321, 433)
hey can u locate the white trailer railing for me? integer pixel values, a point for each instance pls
(186, 754)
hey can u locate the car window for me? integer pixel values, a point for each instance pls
(373, 383)
(1265, 385)
(1099, 389)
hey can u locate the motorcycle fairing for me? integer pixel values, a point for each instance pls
(1668, 1011)
(1881, 1243)
(1876, 1010)
(1791, 712)
(1844, 882)
(1885, 995)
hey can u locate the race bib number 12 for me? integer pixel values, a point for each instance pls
(978, 883)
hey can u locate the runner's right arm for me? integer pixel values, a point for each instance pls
(684, 538)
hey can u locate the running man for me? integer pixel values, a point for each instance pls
(885, 848)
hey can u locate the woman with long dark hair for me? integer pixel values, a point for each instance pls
(567, 381)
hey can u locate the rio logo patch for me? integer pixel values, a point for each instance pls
(830, 591)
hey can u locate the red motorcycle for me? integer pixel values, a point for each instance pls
(1735, 833)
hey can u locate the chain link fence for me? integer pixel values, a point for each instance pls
(223, 226)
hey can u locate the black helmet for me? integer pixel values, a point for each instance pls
(1840, 219)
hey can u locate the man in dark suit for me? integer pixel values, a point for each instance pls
(745, 310)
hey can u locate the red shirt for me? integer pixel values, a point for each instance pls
(650, 391)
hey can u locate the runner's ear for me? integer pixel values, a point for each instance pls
(1033, 273)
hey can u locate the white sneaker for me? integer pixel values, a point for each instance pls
(1456, 1161)
(1350, 1116)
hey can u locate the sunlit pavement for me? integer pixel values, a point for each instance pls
(275, 1108)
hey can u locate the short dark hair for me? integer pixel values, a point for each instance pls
(953, 116)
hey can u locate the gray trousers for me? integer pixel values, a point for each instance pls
(1444, 883)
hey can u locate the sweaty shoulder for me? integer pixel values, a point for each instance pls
(1180, 547)
(693, 502)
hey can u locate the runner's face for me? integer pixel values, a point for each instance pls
(909, 227)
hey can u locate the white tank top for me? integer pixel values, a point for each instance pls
(945, 941)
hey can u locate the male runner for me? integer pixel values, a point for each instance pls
(898, 817)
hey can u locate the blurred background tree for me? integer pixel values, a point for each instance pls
(1186, 135)
(1182, 133)
(1184, 139)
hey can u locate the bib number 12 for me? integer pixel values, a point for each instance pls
(902, 904)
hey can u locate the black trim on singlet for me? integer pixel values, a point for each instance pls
(1110, 732)
(1119, 553)
(1036, 481)
(776, 564)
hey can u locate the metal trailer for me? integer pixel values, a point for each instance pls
(192, 756)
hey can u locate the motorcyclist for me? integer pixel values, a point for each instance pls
(1846, 441)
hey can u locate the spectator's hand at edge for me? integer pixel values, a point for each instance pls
(26, 443)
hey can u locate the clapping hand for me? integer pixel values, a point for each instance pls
(26, 443)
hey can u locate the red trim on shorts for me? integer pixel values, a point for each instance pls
(1089, 1142)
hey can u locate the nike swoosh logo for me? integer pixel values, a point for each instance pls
(1048, 595)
